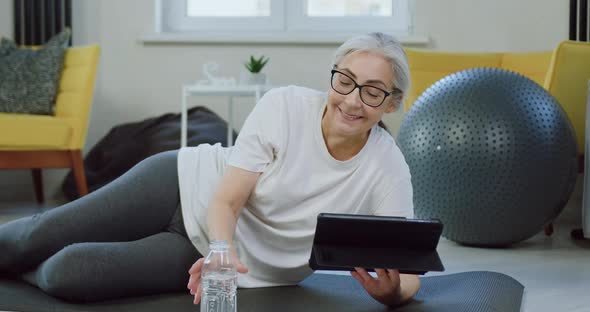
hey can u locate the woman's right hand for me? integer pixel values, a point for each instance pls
(194, 281)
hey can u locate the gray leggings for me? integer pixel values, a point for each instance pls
(125, 239)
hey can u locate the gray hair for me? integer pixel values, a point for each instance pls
(385, 45)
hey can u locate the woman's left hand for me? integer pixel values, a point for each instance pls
(385, 288)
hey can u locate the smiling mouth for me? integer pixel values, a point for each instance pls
(349, 117)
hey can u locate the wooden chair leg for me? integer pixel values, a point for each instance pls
(38, 182)
(549, 229)
(79, 173)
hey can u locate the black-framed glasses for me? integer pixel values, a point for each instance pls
(370, 95)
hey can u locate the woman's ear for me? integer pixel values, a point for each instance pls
(395, 103)
(392, 106)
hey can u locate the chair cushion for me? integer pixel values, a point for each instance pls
(33, 132)
(532, 65)
(427, 67)
(29, 78)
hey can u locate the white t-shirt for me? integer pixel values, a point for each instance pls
(282, 138)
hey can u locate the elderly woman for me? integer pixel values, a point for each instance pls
(299, 153)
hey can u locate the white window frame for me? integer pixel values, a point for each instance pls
(287, 23)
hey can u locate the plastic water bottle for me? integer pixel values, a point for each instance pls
(218, 280)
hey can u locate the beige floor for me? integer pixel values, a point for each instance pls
(555, 270)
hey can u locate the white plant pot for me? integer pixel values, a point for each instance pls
(249, 78)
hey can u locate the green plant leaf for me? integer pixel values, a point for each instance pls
(255, 65)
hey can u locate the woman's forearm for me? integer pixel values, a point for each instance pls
(221, 221)
(228, 201)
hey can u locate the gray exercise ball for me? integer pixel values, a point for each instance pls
(492, 155)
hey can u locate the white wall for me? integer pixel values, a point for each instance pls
(138, 81)
(499, 25)
(6, 29)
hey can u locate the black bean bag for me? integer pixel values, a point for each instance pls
(127, 144)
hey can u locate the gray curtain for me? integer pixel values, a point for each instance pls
(579, 13)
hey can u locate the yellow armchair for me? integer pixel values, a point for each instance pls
(427, 67)
(567, 80)
(41, 141)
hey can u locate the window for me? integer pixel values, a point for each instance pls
(233, 8)
(391, 16)
(218, 16)
(285, 17)
(349, 8)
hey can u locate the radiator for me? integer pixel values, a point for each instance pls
(35, 21)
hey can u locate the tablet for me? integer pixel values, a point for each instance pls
(345, 241)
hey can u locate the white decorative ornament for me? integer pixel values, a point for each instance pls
(211, 68)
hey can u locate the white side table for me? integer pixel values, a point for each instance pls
(209, 90)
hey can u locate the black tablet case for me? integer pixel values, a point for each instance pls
(344, 241)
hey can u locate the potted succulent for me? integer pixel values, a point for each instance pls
(254, 66)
